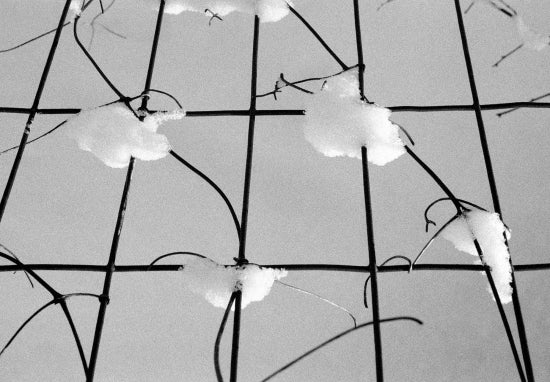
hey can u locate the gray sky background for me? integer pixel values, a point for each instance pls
(304, 208)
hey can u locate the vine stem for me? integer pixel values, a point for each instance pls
(493, 187)
(318, 37)
(436, 178)
(104, 300)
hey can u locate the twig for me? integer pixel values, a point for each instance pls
(507, 55)
(516, 108)
(381, 265)
(214, 186)
(318, 37)
(219, 338)
(320, 298)
(334, 338)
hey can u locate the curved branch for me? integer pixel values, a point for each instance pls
(219, 338)
(320, 298)
(334, 338)
(91, 59)
(36, 313)
(175, 253)
(215, 186)
(433, 238)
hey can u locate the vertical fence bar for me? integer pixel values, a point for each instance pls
(34, 107)
(492, 184)
(368, 209)
(246, 198)
(373, 269)
(121, 212)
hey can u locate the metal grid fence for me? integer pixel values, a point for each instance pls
(521, 355)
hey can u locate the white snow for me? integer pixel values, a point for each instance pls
(531, 40)
(75, 8)
(489, 231)
(267, 10)
(338, 123)
(217, 282)
(114, 134)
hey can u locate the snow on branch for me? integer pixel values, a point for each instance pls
(489, 231)
(216, 282)
(267, 10)
(114, 134)
(339, 123)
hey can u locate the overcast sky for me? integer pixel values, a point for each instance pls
(304, 207)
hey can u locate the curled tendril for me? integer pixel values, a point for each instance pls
(461, 201)
(294, 84)
(174, 254)
(384, 263)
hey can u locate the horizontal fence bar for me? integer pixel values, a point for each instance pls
(278, 112)
(289, 267)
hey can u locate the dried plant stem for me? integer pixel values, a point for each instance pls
(214, 186)
(30, 119)
(318, 37)
(334, 338)
(492, 184)
(219, 338)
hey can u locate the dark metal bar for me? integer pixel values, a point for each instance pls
(368, 209)
(122, 209)
(290, 267)
(278, 112)
(494, 193)
(318, 37)
(109, 273)
(372, 269)
(246, 196)
(32, 114)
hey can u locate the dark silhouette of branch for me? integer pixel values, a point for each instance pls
(318, 37)
(334, 338)
(219, 338)
(214, 186)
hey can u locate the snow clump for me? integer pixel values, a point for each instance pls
(531, 40)
(339, 123)
(489, 231)
(267, 10)
(216, 282)
(114, 134)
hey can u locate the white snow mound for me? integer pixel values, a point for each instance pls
(114, 134)
(531, 39)
(267, 10)
(217, 282)
(338, 123)
(489, 231)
